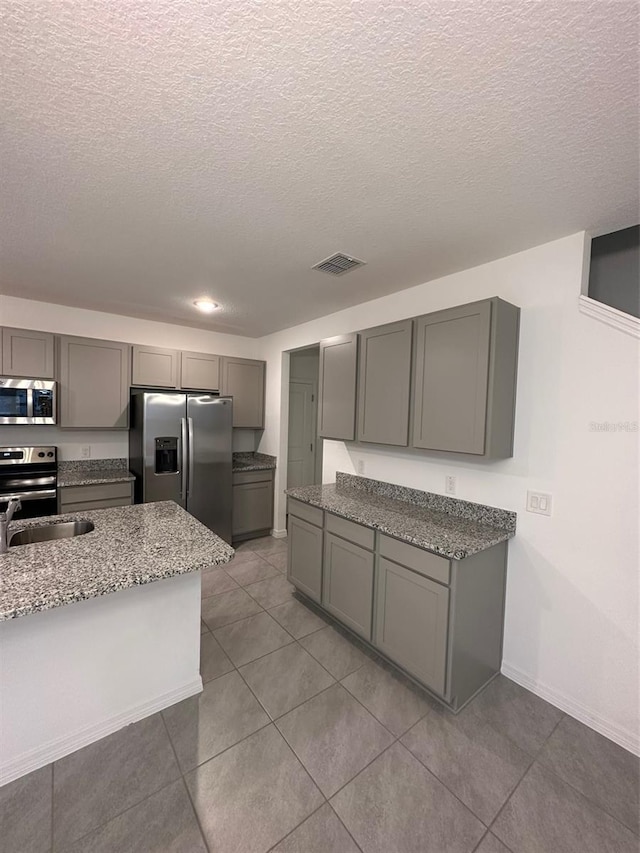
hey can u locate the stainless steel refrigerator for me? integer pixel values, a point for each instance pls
(180, 449)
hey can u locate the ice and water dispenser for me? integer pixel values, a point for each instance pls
(166, 455)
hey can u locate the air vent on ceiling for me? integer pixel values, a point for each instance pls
(338, 264)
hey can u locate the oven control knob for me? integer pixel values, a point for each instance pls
(50, 453)
(41, 454)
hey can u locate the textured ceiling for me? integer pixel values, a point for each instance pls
(157, 150)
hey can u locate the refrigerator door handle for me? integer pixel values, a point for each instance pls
(185, 457)
(191, 450)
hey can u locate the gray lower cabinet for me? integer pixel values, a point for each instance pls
(99, 496)
(439, 620)
(243, 379)
(347, 585)
(199, 371)
(464, 379)
(154, 367)
(384, 384)
(94, 383)
(304, 564)
(337, 387)
(27, 353)
(412, 616)
(252, 504)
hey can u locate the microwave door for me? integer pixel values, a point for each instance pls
(164, 423)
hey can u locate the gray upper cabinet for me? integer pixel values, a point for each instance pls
(384, 384)
(464, 379)
(243, 379)
(94, 383)
(304, 568)
(199, 371)
(155, 367)
(412, 617)
(347, 588)
(337, 387)
(27, 353)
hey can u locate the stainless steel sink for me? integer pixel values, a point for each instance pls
(64, 530)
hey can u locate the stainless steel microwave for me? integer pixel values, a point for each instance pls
(27, 401)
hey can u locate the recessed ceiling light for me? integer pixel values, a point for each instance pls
(206, 306)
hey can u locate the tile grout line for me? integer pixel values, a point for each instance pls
(184, 782)
(346, 828)
(124, 811)
(298, 825)
(53, 788)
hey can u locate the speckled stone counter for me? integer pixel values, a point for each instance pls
(93, 472)
(449, 527)
(130, 546)
(253, 462)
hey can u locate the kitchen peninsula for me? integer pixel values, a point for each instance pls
(98, 630)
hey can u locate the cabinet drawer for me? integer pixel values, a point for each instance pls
(350, 530)
(312, 514)
(427, 564)
(241, 477)
(100, 492)
(87, 506)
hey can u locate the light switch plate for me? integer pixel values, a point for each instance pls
(539, 502)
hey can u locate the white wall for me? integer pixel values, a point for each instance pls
(572, 597)
(64, 320)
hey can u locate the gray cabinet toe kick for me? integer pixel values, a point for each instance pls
(438, 620)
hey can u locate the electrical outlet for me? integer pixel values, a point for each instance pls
(539, 502)
(360, 466)
(450, 484)
(85, 451)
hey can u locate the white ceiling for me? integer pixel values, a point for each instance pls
(157, 150)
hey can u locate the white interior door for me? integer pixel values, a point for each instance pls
(302, 451)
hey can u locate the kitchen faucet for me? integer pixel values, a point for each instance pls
(5, 519)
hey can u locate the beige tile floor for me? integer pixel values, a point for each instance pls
(302, 741)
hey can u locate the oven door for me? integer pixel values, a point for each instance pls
(37, 494)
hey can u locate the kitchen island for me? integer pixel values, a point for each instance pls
(99, 630)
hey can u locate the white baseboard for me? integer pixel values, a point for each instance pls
(279, 534)
(623, 737)
(58, 748)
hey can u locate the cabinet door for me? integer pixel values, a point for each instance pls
(347, 589)
(384, 384)
(411, 622)
(337, 388)
(154, 367)
(304, 568)
(243, 379)
(94, 383)
(26, 353)
(451, 379)
(252, 507)
(199, 371)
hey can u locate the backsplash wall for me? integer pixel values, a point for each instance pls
(104, 444)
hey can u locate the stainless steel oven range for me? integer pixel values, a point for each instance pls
(31, 475)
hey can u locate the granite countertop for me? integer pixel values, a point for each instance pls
(131, 545)
(449, 527)
(253, 462)
(93, 472)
